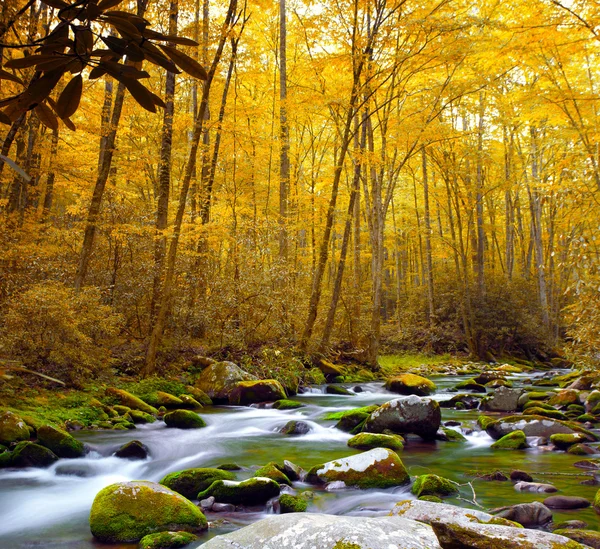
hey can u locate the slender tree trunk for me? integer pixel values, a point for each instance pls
(284, 133)
(428, 254)
(479, 201)
(49, 192)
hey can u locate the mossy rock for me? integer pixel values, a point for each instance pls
(433, 485)
(285, 404)
(410, 384)
(250, 392)
(292, 504)
(470, 385)
(537, 395)
(12, 428)
(167, 540)
(127, 399)
(596, 502)
(253, 491)
(121, 410)
(564, 441)
(377, 468)
(138, 417)
(537, 404)
(29, 454)
(580, 450)
(511, 368)
(589, 538)
(337, 390)
(199, 395)
(191, 481)
(126, 512)
(161, 398)
(367, 441)
(451, 435)
(512, 441)
(189, 402)
(576, 408)
(183, 419)
(273, 471)
(565, 398)
(501, 521)
(484, 421)
(329, 369)
(494, 383)
(535, 426)
(432, 499)
(339, 415)
(60, 442)
(553, 414)
(133, 449)
(587, 418)
(229, 467)
(218, 379)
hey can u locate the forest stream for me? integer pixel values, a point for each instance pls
(49, 508)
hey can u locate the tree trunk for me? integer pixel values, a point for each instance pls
(284, 161)
(428, 255)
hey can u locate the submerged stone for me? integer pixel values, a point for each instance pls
(133, 450)
(367, 441)
(512, 441)
(28, 454)
(292, 504)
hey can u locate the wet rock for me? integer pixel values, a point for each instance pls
(532, 426)
(207, 503)
(566, 502)
(183, 419)
(589, 538)
(138, 417)
(310, 531)
(28, 454)
(74, 425)
(189, 402)
(486, 377)
(495, 476)
(292, 504)
(535, 487)
(462, 401)
(357, 389)
(570, 524)
(564, 441)
(410, 384)
(294, 427)
(129, 400)
(128, 511)
(218, 379)
(544, 412)
(470, 385)
(581, 450)
(60, 442)
(367, 441)
(199, 395)
(433, 485)
(512, 441)
(293, 471)
(229, 467)
(273, 471)
(412, 414)
(530, 515)
(564, 398)
(191, 481)
(253, 491)
(518, 475)
(249, 392)
(377, 468)
(337, 390)
(329, 369)
(485, 536)
(285, 404)
(351, 421)
(167, 540)
(591, 464)
(428, 512)
(449, 435)
(133, 450)
(223, 507)
(504, 399)
(169, 401)
(12, 429)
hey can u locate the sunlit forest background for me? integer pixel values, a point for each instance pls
(328, 177)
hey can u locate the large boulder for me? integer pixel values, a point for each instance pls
(12, 429)
(218, 379)
(410, 384)
(428, 512)
(504, 399)
(530, 515)
(412, 414)
(253, 491)
(317, 531)
(589, 538)
(60, 442)
(125, 512)
(191, 481)
(28, 454)
(532, 426)
(249, 392)
(129, 400)
(377, 468)
(486, 536)
(183, 419)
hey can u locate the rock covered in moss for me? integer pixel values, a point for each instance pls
(433, 485)
(367, 441)
(311, 530)
(427, 512)
(504, 399)
(581, 450)
(294, 427)
(545, 412)
(351, 421)
(590, 538)
(377, 468)
(329, 369)
(410, 384)
(250, 392)
(470, 385)
(292, 504)
(127, 399)
(253, 491)
(183, 419)
(273, 471)
(133, 450)
(337, 390)
(198, 394)
(29, 454)
(218, 379)
(191, 481)
(125, 512)
(285, 404)
(60, 442)
(483, 421)
(12, 428)
(564, 398)
(450, 435)
(167, 540)
(512, 441)
(533, 426)
(564, 441)
(138, 417)
(431, 499)
(412, 414)
(169, 401)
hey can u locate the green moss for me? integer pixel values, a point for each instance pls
(578, 450)
(512, 441)
(162, 398)
(28, 454)
(292, 504)
(167, 540)
(433, 485)
(61, 443)
(183, 419)
(553, 414)
(343, 544)
(198, 395)
(432, 499)
(366, 441)
(410, 384)
(484, 421)
(273, 471)
(252, 491)
(249, 392)
(337, 390)
(285, 404)
(537, 395)
(339, 415)
(503, 522)
(127, 399)
(127, 512)
(470, 385)
(589, 538)
(563, 441)
(229, 467)
(190, 402)
(596, 502)
(139, 417)
(452, 435)
(12, 428)
(537, 404)
(191, 481)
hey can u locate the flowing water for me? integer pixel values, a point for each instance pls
(49, 508)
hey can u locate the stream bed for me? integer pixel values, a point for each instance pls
(49, 508)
